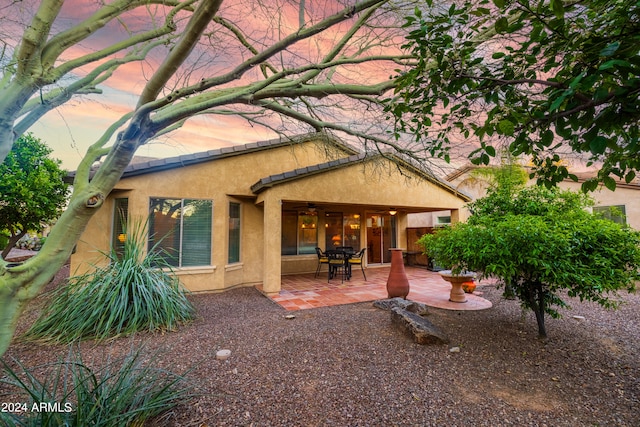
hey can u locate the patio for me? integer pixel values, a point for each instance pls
(303, 291)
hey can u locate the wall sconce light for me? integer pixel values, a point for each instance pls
(393, 211)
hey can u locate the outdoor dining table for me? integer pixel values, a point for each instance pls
(343, 254)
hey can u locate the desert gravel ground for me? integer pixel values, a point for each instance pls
(351, 366)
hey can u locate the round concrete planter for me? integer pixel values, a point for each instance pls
(457, 293)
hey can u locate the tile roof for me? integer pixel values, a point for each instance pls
(272, 180)
(156, 165)
(279, 178)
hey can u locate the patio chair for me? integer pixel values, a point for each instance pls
(322, 259)
(358, 259)
(337, 264)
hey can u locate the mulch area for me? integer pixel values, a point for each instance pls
(350, 365)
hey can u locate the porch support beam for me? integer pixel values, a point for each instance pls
(272, 245)
(456, 216)
(401, 230)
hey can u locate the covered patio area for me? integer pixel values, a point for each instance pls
(304, 291)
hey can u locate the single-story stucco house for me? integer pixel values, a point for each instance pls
(246, 215)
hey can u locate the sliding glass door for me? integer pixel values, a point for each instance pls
(380, 237)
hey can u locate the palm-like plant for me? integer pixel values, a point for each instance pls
(137, 291)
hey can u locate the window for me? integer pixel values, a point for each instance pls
(333, 230)
(307, 233)
(352, 230)
(443, 220)
(615, 213)
(120, 225)
(234, 232)
(299, 232)
(180, 231)
(342, 230)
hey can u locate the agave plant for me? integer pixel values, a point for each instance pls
(124, 392)
(136, 291)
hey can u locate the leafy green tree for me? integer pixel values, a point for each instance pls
(541, 243)
(545, 76)
(32, 190)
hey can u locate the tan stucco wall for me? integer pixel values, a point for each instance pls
(629, 197)
(351, 188)
(374, 184)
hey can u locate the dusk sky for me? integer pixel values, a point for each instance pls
(70, 129)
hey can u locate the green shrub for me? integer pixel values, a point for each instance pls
(124, 392)
(540, 244)
(135, 292)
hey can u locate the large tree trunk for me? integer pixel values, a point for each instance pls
(20, 284)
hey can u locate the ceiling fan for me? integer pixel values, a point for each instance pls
(309, 207)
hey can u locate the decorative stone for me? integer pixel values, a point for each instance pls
(410, 316)
(223, 354)
(415, 307)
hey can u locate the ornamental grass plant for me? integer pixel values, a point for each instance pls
(124, 392)
(137, 291)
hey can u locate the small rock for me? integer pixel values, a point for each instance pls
(290, 316)
(578, 317)
(454, 350)
(223, 354)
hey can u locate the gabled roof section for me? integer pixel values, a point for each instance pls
(281, 178)
(465, 169)
(620, 183)
(156, 165)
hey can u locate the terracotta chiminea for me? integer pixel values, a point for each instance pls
(397, 283)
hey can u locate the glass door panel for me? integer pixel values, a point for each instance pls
(333, 230)
(379, 238)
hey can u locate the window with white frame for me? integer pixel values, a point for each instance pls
(180, 230)
(234, 232)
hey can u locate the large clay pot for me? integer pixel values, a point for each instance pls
(397, 283)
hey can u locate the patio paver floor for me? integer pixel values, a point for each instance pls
(303, 291)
